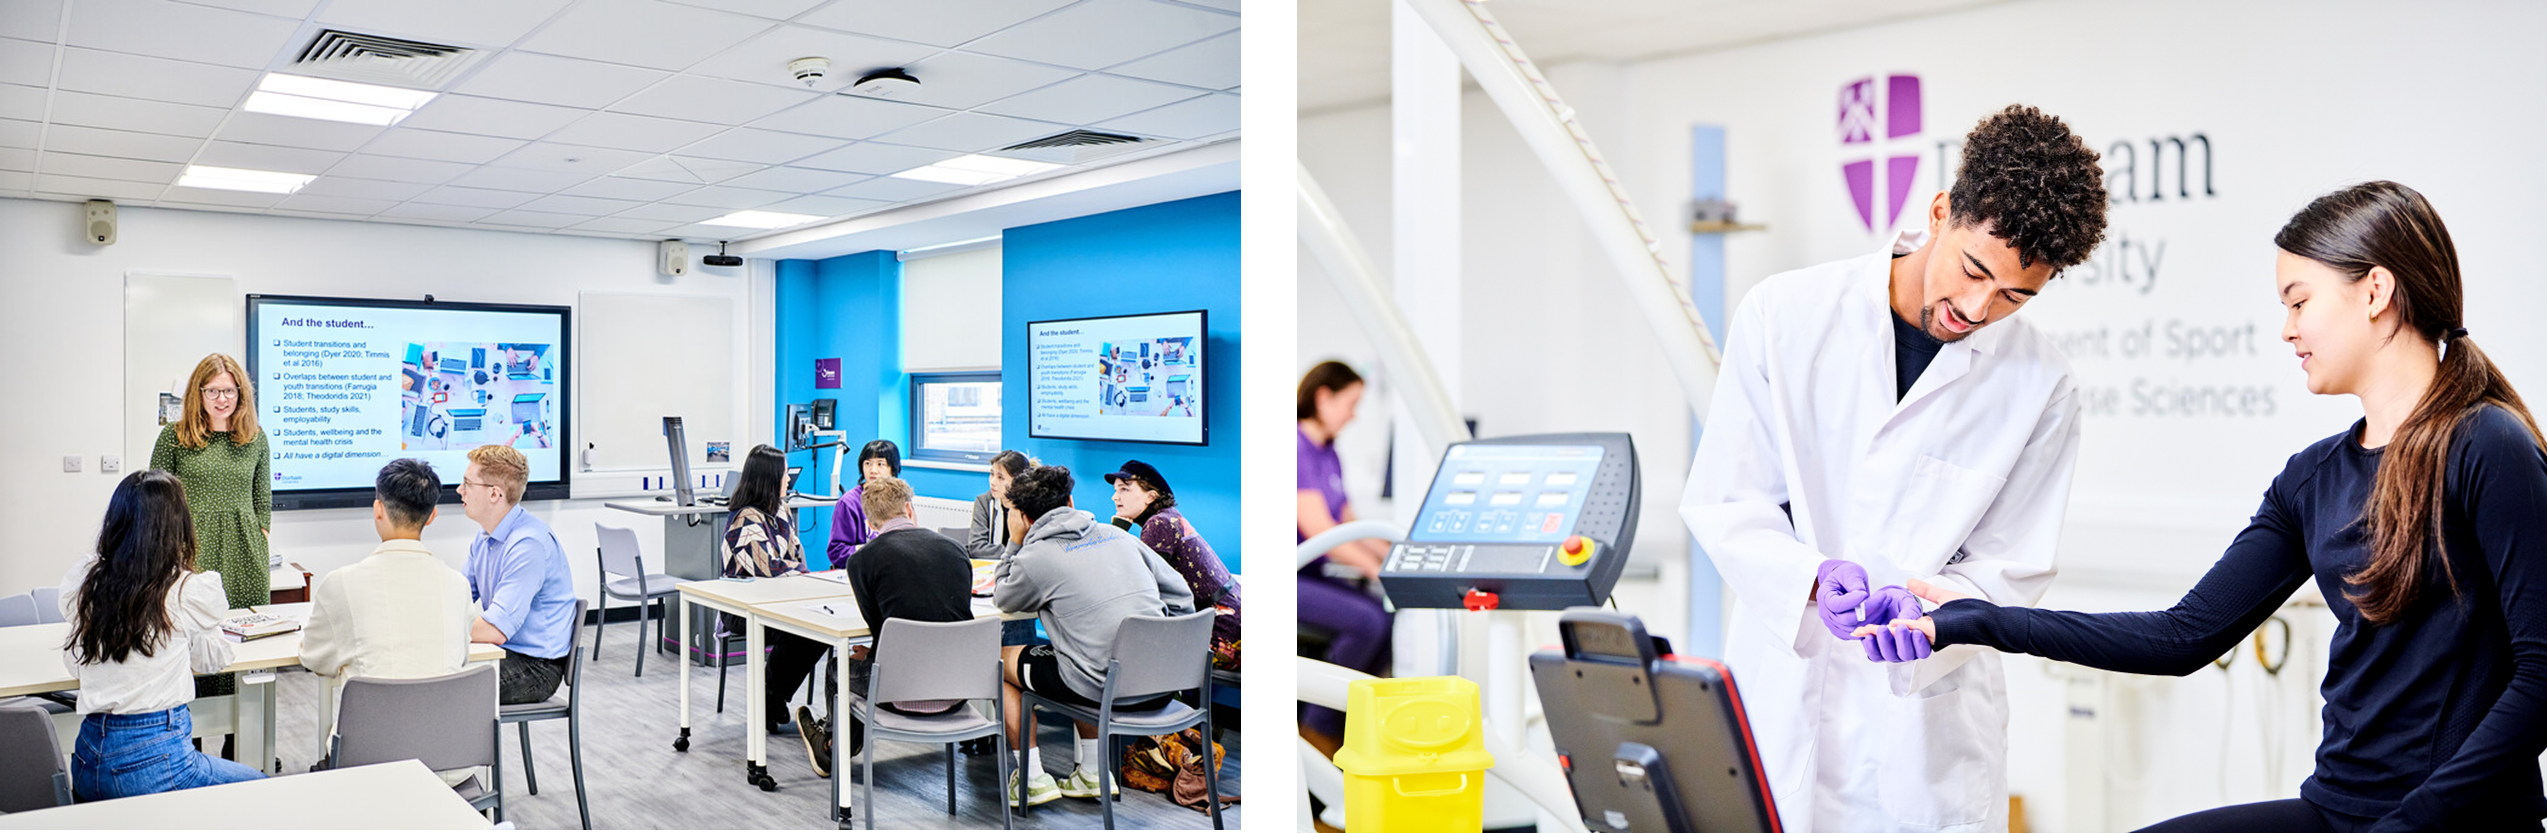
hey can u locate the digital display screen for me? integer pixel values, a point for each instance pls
(1136, 378)
(1507, 494)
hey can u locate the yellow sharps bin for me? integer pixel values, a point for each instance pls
(1414, 756)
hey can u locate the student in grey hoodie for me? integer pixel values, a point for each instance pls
(1082, 577)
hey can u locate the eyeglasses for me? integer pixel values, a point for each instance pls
(467, 482)
(221, 393)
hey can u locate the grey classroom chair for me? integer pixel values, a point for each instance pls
(31, 773)
(930, 661)
(1152, 655)
(48, 604)
(565, 705)
(18, 610)
(620, 557)
(433, 720)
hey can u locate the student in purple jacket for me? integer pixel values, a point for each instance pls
(880, 458)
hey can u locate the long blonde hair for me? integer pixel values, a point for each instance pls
(194, 430)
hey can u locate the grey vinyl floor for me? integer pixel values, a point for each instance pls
(636, 780)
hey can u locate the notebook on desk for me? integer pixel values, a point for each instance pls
(256, 626)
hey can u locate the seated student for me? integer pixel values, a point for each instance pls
(904, 572)
(880, 458)
(759, 542)
(1143, 502)
(1083, 579)
(143, 623)
(988, 539)
(517, 576)
(399, 613)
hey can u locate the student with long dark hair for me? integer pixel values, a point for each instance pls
(760, 542)
(2425, 524)
(879, 458)
(143, 623)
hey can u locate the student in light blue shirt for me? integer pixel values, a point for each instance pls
(518, 576)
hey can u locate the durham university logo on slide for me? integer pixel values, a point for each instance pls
(1878, 125)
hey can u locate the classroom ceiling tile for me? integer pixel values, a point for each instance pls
(714, 100)
(583, 160)
(396, 169)
(18, 133)
(1211, 64)
(22, 102)
(267, 157)
(768, 147)
(98, 189)
(516, 179)
(794, 180)
(674, 213)
(1101, 33)
(588, 206)
(878, 158)
(892, 189)
(548, 79)
(624, 225)
(17, 159)
(108, 167)
(477, 23)
(688, 169)
(437, 145)
(1189, 119)
(295, 9)
(26, 62)
(475, 197)
(124, 143)
(624, 188)
(379, 189)
(180, 31)
(972, 132)
(436, 211)
(764, 58)
(492, 116)
(155, 79)
(826, 206)
(964, 80)
(39, 20)
(937, 22)
(1090, 98)
(16, 183)
(270, 129)
(305, 201)
(848, 117)
(279, 211)
(216, 196)
(128, 114)
(646, 33)
(771, 9)
(639, 133)
(728, 197)
(533, 219)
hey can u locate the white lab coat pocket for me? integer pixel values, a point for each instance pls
(1945, 759)
(1935, 511)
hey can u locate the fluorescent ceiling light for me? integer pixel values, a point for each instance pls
(241, 179)
(345, 101)
(976, 169)
(760, 219)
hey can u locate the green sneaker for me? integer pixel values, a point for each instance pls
(1083, 784)
(1041, 790)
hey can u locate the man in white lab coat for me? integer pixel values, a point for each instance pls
(1881, 419)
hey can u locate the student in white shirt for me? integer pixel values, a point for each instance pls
(143, 623)
(399, 613)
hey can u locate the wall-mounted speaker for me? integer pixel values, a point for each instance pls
(101, 222)
(673, 258)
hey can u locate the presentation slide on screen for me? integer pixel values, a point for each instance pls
(343, 389)
(1129, 378)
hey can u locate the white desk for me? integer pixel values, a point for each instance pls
(394, 796)
(740, 598)
(31, 663)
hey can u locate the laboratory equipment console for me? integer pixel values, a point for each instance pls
(1540, 522)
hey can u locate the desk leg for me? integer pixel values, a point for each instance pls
(756, 758)
(682, 743)
(255, 721)
(840, 718)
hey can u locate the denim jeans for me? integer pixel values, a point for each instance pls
(120, 755)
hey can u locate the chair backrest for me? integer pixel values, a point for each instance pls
(447, 722)
(31, 774)
(1160, 654)
(961, 534)
(48, 604)
(575, 657)
(18, 610)
(917, 660)
(619, 553)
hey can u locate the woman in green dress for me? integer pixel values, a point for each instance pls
(218, 452)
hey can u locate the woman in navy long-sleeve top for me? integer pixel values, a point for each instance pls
(2425, 524)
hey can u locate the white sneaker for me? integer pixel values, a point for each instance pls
(1040, 790)
(1083, 784)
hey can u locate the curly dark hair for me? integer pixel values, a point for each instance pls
(1040, 490)
(2034, 184)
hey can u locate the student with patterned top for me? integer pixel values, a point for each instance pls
(760, 543)
(1144, 504)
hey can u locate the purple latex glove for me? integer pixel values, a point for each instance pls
(1892, 602)
(1896, 643)
(1838, 588)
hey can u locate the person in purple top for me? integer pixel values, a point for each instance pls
(880, 458)
(1328, 395)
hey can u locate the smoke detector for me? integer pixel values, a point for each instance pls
(886, 83)
(809, 71)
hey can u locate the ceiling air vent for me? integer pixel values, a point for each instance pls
(1074, 147)
(374, 59)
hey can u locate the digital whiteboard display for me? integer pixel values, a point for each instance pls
(1137, 378)
(1507, 494)
(344, 385)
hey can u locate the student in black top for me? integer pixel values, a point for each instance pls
(904, 572)
(2425, 524)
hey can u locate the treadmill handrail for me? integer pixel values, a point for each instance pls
(1361, 530)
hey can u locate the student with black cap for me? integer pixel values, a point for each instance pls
(1143, 504)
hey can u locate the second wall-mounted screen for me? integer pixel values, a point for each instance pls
(1137, 378)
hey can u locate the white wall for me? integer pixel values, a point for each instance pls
(2296, 98)
(61, 311)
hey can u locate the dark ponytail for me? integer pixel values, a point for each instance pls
(147, 544)
(2384, 224)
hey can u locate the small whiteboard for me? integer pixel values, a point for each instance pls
(171, 322)
(642, 357)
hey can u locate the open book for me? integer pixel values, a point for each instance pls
(259, 626)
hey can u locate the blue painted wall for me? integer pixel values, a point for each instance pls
(1179, 255)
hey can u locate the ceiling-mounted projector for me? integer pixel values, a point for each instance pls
(721, 258)
(886, 83)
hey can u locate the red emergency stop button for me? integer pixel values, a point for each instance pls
(1481, 600)
(1576, 550)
